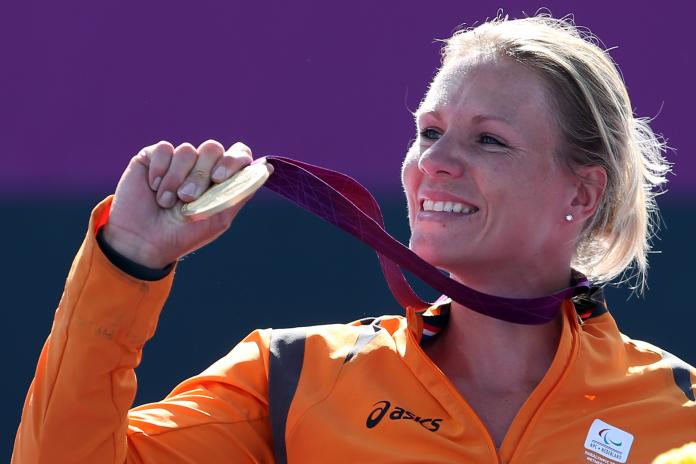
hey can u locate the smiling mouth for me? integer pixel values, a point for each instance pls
(447, 207)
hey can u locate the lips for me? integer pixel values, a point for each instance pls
(447, 206)
(444, 202)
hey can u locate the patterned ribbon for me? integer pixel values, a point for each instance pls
(343, 202)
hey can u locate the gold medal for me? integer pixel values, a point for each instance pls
(226, 194)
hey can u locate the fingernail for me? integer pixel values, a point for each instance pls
(156, 183)
(188, 189)
(220, 173)
(167, 199)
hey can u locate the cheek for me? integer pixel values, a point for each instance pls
(529, 211)
(410, 178)
(409, 165)
(512, 200)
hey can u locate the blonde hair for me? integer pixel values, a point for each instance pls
(684, 455)
(595, 116)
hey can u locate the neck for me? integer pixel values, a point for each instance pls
(517, 281)
(497, 355)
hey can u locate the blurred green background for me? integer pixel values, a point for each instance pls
(278, 266)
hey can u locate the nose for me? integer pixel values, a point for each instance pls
(440, 160)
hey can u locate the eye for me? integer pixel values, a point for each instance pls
(489, 140)
(430, 134)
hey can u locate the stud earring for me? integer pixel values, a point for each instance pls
(568, 217)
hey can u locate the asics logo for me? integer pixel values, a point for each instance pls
(384, 409)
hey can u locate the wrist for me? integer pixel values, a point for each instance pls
(130, 267)
(132, 248)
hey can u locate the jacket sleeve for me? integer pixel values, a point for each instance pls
(77, 407)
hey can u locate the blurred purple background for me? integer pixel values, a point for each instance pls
(86, 84)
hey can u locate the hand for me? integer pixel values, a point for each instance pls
(146, 224)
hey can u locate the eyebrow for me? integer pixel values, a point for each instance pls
(477, 118)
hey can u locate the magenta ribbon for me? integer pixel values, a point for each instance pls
(343, 202)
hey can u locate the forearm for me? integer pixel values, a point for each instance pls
(77, 405)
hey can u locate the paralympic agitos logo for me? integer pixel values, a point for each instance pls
(398, 413)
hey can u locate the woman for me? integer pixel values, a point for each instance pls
(528, 164)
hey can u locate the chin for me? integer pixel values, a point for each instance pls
(438, 255)
(456, 259)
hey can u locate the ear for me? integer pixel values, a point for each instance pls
(590, 186)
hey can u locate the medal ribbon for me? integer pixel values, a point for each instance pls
(345, 203)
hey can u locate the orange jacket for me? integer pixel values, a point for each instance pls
(364, 392)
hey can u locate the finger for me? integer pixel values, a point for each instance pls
(198, 179)
(156, 159)
(183, 159)
(235, 158)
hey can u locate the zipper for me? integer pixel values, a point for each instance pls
(572, 355)
(455, 393)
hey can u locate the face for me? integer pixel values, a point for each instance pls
(484, 189)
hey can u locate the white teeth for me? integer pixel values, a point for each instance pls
(448, 207)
